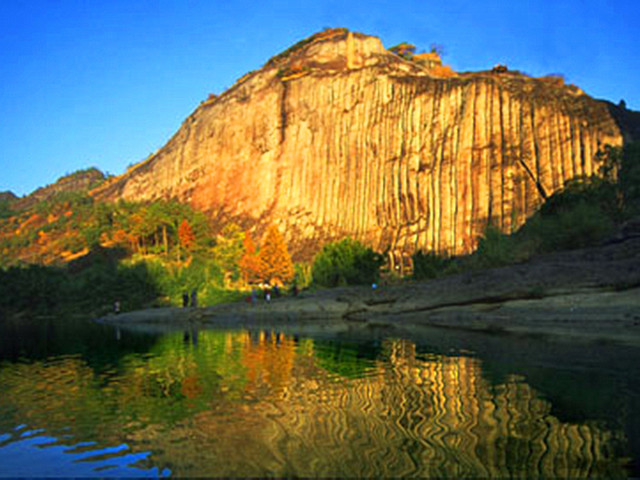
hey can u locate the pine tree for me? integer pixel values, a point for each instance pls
(275, 262)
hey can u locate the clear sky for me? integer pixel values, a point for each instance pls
(106, 82)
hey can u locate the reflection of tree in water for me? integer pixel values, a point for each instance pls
(235, 403)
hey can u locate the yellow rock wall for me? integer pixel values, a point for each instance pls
(363, 143)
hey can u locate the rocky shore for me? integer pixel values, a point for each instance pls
(590, 294)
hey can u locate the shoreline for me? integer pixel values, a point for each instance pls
(590, 294)
(601, 316)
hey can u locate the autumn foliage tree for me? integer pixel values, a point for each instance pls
(275, 261)
(250, 262)
(185, 235)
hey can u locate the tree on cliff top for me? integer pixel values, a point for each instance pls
(404, 49)
(275, 261)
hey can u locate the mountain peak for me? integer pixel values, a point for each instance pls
(333, 47)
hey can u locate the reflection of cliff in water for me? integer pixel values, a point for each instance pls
(235, 403)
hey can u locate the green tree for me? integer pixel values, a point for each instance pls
(347, 262)
(404, 49)
(228, 251)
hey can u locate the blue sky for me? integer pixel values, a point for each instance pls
(106, 82)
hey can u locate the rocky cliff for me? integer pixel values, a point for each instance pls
(338, 136)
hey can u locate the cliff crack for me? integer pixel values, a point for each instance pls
(283, 112)
(536, 182)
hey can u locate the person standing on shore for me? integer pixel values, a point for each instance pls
(194, 297)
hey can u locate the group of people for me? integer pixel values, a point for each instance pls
(269, 293)
(190, 300)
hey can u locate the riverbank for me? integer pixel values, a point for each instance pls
(590, 294)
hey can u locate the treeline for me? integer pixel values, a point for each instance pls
(57, 228)
(71, 253)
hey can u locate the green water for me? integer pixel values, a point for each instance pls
(81, 399)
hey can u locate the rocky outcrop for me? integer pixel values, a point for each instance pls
(338, 136)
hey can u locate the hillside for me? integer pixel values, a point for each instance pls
(79, 181)
(339, 136)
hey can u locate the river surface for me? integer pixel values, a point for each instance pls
(80, 399)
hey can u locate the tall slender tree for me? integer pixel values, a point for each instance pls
(275, 261)
(250, 262)
(186, 236)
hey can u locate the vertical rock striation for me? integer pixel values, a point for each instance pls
(338, 136)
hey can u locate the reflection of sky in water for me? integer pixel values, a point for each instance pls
(29, 453)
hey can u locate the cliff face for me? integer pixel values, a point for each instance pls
(340, 137)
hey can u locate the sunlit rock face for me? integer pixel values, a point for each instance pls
(341, 137)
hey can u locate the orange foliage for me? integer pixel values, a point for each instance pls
(269, 362)
(186, 236)
(249, 263)
(443, 71)
(121, 237)
(275, 261)
(191, 387)
(33, 219)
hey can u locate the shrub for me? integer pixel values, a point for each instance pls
(630, 179)
(347, 262)
(494, 248)
(584, 213)
(581, 225)
(302, 277)
(429, 265)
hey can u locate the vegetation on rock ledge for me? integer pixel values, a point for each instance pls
(585, 213)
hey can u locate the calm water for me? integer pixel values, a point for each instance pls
(80, 399)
